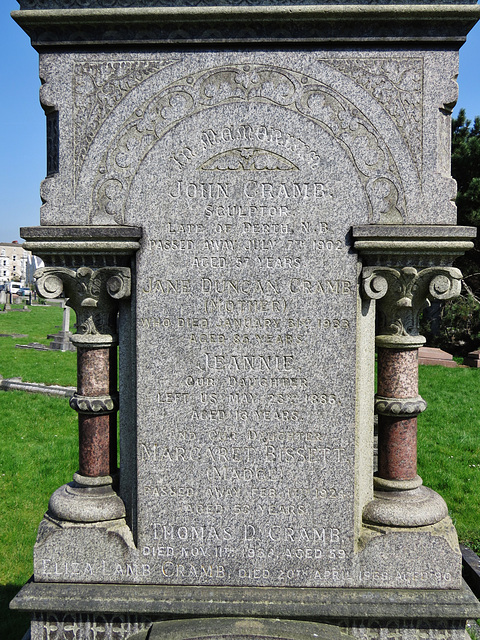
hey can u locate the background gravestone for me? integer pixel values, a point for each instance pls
(61, 340)
(247, 188)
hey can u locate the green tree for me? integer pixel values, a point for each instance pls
(459, 330)
(466, 171)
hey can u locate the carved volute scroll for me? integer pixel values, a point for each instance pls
(401, 296)
(93, 295)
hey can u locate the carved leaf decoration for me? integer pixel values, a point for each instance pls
(248, 160)
(92, 293)
(396, 84)
(87, 326)
(285, 88)
(98, 87)
(406, 294)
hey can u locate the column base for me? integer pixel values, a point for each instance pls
(412, 507)
(86, 500)
(384, 484)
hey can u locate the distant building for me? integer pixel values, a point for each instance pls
(17, 264)
(34, 263)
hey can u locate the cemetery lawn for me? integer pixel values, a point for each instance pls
(449, 444)
(39, 450)
(49, 367)
(38, 453)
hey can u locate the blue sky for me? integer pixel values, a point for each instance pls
(22, 156)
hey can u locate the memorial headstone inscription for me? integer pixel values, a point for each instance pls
(247, 188)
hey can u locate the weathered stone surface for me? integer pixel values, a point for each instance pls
(121, 627)
(432, 356)
(244, 22)
(153, 601)
(471, 569)
(412, 245)
(401, 558)
(245, 285)
(99, 4)
(246, 174)
(16, 384)
(284, 199)
(236, 628)
(163, 94)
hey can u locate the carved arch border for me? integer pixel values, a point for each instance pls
(262, 83)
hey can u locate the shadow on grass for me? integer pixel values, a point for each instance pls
(13, 624)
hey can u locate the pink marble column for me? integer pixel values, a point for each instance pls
(113, 416)
(93, 380)
(397, 436)
(400, 499)
(93, 293)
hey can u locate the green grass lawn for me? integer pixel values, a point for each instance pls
(449, 444)
(31, 365)
(39, 450)
(38, 453)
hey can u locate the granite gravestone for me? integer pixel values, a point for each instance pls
(246, 189)
(61, 340)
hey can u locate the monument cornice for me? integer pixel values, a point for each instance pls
(49, 27)
(106, 241)
(83, 246)
(412, 245)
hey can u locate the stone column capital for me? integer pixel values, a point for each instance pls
(401, 294)
(93, 293)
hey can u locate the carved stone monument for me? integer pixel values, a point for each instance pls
(246, 198)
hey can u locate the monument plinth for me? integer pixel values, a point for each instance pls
(246, 200)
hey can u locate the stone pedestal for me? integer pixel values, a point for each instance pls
(105, 611)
